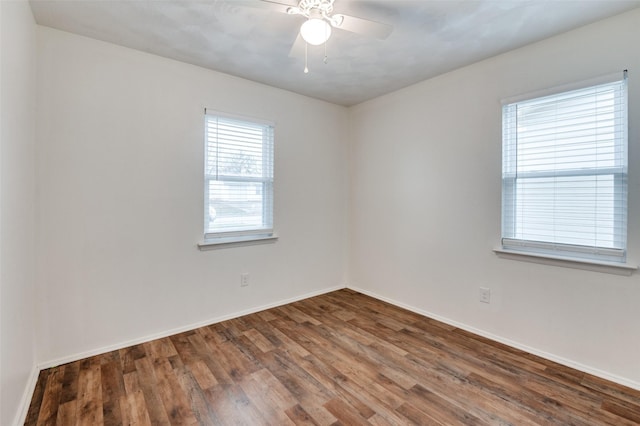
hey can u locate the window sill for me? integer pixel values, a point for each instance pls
(218, 243)
(625, 269)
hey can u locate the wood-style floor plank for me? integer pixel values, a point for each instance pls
(49, 408)
(337, 359)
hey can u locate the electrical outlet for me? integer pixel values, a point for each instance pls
(244, 279)
(485, 295)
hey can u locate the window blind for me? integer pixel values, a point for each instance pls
(238, 177)
(564, 177)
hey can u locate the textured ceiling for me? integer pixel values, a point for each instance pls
(245, 39)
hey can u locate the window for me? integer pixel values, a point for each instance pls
(564, 173)
(238, 194)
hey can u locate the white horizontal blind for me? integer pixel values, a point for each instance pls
(564, 177)
(238, 177)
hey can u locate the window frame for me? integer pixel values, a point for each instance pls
(247, 234)
(571, 255)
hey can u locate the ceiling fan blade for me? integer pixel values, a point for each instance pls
(276, 6)
(297, 50)
(362, 26)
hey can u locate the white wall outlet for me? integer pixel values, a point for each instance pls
(485, 295)
(244, 279)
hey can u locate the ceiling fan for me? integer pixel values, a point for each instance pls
(316, 30)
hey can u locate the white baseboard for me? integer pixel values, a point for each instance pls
(121, 345)
(551, 357)
(27, 395)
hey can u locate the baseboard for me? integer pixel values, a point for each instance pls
(551, 357)
(25, 401)
(121, 345)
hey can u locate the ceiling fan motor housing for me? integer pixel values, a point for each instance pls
(308, 7)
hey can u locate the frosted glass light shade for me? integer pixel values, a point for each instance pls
(315, 31)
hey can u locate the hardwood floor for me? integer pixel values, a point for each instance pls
(340, 358)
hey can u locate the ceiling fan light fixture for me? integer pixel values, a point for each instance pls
(315, 31)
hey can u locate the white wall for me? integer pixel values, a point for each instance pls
(17, 207)
(425, 186)
(120, 166)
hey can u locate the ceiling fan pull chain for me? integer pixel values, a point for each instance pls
(325, 51)
(306, 47)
